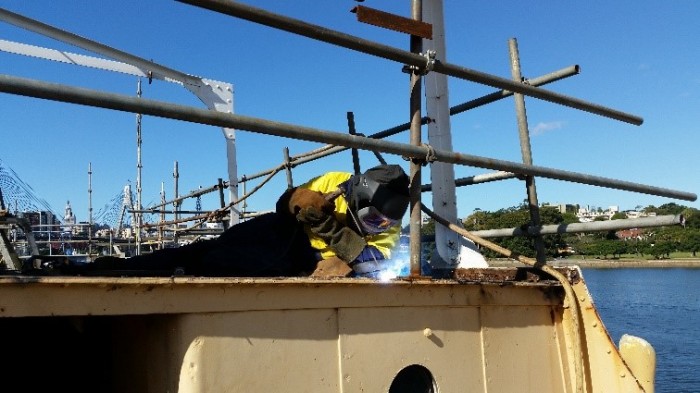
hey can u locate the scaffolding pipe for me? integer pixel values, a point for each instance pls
(192, 194)
(580, 227)
(463, 107)
(353, 152)
(161, 232)
(220, 186)
(82, 96)
(476, 179)
(497, 95)
(139, 169)
(320, 33)
(288, 167)
(526, 150)
(415, 170)
(90, 222)
(154, 211)
(177, 201)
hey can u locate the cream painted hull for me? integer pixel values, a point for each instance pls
(492, 333)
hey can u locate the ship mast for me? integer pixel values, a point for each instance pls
(451, 249)
(139, 215)
(89, 209)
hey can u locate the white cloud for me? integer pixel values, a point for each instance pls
(541, 128)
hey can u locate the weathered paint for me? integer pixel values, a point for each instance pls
(298, 334)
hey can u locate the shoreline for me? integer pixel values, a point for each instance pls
(689, 263)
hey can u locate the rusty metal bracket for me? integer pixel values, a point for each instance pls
(393, 22)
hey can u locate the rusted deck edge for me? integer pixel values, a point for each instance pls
(496, 275)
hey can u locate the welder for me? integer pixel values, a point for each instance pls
(365, 222)
(335, 225)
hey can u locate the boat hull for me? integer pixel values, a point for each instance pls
(495, 330)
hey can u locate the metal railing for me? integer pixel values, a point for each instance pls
(339, 141)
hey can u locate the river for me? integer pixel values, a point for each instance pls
(661, 306)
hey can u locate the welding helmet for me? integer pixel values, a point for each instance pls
(378, 198)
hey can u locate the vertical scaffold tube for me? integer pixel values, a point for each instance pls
(415, 167)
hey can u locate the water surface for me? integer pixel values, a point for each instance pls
(661, 306)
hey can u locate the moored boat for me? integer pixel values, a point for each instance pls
(465, 329)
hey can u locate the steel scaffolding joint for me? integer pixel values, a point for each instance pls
(429, 61)
(425, 69)
(430, 156)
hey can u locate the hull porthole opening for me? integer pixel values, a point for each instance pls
(413, 379)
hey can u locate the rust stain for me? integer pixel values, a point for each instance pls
(508, 276)
(393, 22)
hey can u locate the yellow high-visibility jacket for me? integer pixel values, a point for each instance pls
(384, 242)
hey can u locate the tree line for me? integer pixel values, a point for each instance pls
(655, 242)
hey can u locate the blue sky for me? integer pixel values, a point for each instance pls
(637, 57)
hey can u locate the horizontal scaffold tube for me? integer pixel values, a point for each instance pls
(320, 33)
(76, 95)
(582, 227)
(459, 108)
(476, 179)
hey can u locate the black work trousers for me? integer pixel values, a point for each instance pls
(266, 246)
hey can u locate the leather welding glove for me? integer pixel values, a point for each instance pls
(295, 199)
(345, 242)
(331, 267)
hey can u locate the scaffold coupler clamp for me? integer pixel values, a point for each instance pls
(429, 61)
(429, 156)
(424, 70)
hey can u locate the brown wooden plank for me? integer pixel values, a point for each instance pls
(393, 22)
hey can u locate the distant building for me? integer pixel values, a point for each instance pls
(68, 219)
(588, 213)
(103, 233)
(633, 213)
(81, 229)
(40, 220)
(562, 207)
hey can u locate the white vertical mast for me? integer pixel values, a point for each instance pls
(452, 250)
